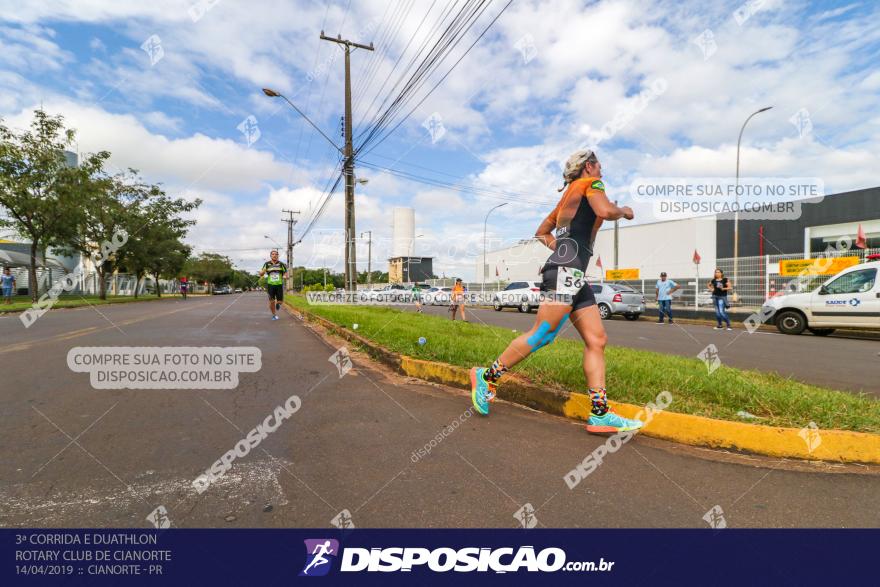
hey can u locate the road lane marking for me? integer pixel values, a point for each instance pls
(91, 330)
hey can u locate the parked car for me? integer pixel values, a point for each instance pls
(612, 298)
(437, 296)
(222, 290)
(237, 290)
(850, 299)
(704, 298)
(393, 292)
(522, 295)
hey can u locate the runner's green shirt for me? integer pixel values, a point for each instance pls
(274, 272)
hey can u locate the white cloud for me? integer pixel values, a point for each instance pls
(197, 160)
(510, 122)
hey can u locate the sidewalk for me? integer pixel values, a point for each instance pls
(738, 315)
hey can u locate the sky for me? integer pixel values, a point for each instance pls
(660, 88)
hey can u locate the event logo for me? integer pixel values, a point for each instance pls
(320, 553)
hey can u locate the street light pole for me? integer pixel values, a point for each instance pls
(485, 222)
(736, 211)
(369, 257)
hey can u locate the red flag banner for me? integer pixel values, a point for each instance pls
(861, 240)
(599, 262)
(697, 257)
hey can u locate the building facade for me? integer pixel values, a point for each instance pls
(670, 246)
(410, 269)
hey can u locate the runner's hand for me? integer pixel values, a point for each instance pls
(628, 213)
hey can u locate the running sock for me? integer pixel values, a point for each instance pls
(599, 401)
(494, 372)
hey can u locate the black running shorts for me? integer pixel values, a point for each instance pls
(584, 298)
(276, 292)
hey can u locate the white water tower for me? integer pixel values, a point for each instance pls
(403, 232)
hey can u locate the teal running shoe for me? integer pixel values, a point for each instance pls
(611, 423)
(482, 392)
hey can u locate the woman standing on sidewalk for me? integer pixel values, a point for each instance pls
(719, 286)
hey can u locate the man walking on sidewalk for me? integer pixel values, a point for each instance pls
(663, 292)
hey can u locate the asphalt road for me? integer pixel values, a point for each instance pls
(77, 456)
(839, 363)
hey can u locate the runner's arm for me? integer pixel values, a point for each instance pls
(604, 208)
(545, 230)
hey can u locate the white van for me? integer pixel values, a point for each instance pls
(850, 299)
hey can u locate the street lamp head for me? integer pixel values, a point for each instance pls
(271, 93)
(765, 109)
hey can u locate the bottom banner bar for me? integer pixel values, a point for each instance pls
(428, 557)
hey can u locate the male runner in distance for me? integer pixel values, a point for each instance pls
(276, 273)
(576, 219)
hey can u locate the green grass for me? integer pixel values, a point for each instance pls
(20, 303)
(633, 376)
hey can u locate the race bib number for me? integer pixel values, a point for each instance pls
(569, 281)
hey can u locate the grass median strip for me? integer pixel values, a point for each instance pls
(21, 303)
(633, 376)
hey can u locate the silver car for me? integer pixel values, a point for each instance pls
(618, 299)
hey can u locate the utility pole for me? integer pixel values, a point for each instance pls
(616, 239)
(369, 257)
(290, 222)
(348, 167)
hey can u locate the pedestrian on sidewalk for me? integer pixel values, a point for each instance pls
(719, 286)
(7, 284)
(663, 293)
(458, 299)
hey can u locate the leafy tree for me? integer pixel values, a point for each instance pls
(210, 267)
(169, 258)
(111, 207)
(39, 190)
(155, 244)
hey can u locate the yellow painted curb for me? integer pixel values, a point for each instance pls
(827, 445)
(810, 444)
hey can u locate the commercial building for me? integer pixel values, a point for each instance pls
(643, 251)
(410, 269)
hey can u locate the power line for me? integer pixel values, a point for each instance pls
(314, 67)
(444, 44)
(386, 135)
(369, 108)
(513, 197)
(383, 35)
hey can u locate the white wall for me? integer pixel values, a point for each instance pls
(652, 248)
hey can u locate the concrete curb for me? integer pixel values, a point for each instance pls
(736, 321)
(808, 444)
